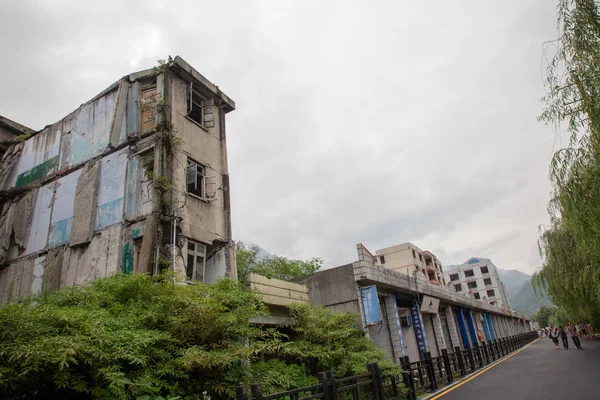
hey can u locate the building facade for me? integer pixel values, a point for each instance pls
(478, 278)
(411, 260)
(134, 180)
(406, 315)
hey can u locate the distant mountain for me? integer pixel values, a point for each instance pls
(520, 292)
(513, 281)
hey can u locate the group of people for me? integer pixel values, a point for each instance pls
(576, 332)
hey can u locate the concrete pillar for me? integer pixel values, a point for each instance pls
(452, 327)
(395, 327)
(439, 333)
(497, 328)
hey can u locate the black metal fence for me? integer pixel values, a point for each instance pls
(419, 376)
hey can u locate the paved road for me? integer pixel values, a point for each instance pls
(540, 372)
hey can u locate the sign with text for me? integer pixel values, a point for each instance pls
(419, 328)
(370, 305)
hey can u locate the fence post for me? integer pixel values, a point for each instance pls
(461, 361)
(497, 349)
(471, 357)
(256, 391)
(241, 393)
(324, 386)
(376, 377)
(332, 385)
(447, 364)
(430, 371)
(407, 378)
(479, 354)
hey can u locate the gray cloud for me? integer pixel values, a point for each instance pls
(355, 122)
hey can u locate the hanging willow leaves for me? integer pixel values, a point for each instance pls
(571, 246)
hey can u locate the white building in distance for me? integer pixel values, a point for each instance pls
(478, 278)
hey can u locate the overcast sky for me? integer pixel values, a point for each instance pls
(372, 122)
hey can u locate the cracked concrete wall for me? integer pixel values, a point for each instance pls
(202, 221)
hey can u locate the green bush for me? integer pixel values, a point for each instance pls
(137, 337)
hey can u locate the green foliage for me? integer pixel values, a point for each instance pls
(277, 376)
(571, 245)
(137, 337)
(543, 314)
(22, 137)
(248, 261)
(324, 340)
(127, 336)
(569, 277)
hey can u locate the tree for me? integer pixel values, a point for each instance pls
(249, 260)
(571, 245)
(138, 337)
(543, 314)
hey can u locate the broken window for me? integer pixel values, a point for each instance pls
(149, 101)
(196, 174)
(382, 259)
(458, 287)
(454, 277)
(477, 296)
(469, 273)
(487, 281)
(200, 110)
(196, 261)
(414, 254)
(472, 285)
(198, 183)
(491, 293)
(485, 270)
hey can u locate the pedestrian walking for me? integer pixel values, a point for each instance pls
(563, 336)
(572, 331)
(553, 335)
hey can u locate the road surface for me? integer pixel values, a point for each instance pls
(539, 372)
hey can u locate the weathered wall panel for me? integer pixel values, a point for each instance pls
(89, 129)
(38, 159)
(111, 189)
(38, 232)
(86, 196)
(63, 209)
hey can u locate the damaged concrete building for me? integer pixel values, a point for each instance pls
(134, 180)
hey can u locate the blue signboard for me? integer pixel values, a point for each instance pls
(419, 328)
(398, 325)
(370, 305)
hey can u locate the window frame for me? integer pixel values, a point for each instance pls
(197, 165)
(195, 253)
(382, 259)
(469, 271)
(487, 270)
(477, 296)
(474, 285)
(454, 275)
(460, 285)
(491, 295)
(205, 108)
(487, 279)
